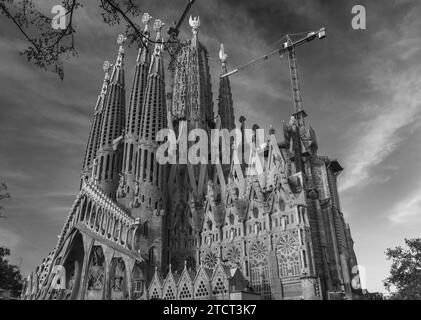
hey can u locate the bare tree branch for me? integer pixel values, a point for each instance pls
(49, 47)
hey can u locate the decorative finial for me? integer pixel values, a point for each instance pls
(106, 67)
(121, 39)
(222, 55)
(146, 17)
(194, 23)
(157, 26)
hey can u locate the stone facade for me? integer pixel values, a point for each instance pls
(215, 231)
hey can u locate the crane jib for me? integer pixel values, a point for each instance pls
(286, 46)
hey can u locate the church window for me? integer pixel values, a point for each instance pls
(202, 290)
(255, 212)
(155, 294)
(288, 256)
(259, 270)
(304, 259)
(210, 260)
(153, 256)
(107, 167)
(185, 293)
(112, 166)
(219, 287)
(169, 295)
(131, 158)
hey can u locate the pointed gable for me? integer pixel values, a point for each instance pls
(220, 282)
(169, 288)
(155, 288)
(202, 290)
(185, 284)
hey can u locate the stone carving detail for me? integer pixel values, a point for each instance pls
(288, 245)
(258, 251)
(234, 257)
(190, 263)
(295, 184)
(118, 280)
(121, 191)
(96, 275)
(210, 260)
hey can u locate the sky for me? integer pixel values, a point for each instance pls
(361, 90)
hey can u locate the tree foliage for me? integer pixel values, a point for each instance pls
(404, 281)
(48, 47)
(10, 277)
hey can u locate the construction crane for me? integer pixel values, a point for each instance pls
(287, 47)
(174, 30)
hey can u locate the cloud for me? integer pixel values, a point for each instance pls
(408, 210)
(8, 238)
(397, 84)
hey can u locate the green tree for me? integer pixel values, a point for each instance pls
(10, 277)
(404, 281)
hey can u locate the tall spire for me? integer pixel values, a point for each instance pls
(148, 202)
(143, 51)
(225, 104)
(94, 134)
(150, 173)
(130, 165)
(154, 111)
(137, 95)
(192, 93)
(112, 125)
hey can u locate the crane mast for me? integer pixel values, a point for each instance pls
(299, 113)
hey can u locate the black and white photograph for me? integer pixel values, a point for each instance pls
(207, 150)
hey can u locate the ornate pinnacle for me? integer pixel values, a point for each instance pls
(145, 20)
(157, 26)
(106, 67)
(121, 39)
(194, 23)
(222, 55)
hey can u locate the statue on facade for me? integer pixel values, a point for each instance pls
(121, 192)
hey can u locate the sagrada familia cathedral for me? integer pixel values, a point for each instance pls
(142, 230)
